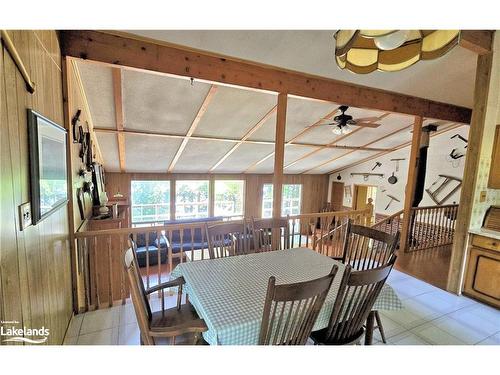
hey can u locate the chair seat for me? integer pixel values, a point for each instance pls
(319, 338)
(177, 322)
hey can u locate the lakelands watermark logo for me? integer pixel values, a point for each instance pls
(9, 333)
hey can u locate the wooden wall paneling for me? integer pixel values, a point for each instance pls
(9, 270)
(35, 277)
(458, 253)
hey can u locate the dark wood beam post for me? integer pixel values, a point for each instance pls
(279, 154)
(459, 249)
(411, 181)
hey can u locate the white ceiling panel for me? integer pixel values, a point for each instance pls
(388, 125)
(109, 150)
(315, 159)
(149, 154)
(244, 156)
(394, 140)
(449, 79)
(232, 112)
(156, 103)
(300, 114)
(200, 156)
(292, 153)
(353, 157)
(320, 135)
(97, 82)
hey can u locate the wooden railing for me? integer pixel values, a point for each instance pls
(325, 232)
(432, 226)
(429, 227)
(390, 224)
(100, 253)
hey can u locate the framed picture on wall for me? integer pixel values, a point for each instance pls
(48, 169)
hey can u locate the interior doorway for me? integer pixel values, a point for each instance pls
(337, 196)
(361, 195)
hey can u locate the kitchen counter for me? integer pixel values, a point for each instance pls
(486, 233)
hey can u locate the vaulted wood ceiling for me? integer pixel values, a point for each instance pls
(147, 122)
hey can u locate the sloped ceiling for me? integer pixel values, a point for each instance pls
(449, 79)
(235, 132)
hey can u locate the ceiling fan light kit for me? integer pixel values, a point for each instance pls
(364, 51)
(342, 123)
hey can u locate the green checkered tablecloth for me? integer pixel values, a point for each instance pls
(229, 293)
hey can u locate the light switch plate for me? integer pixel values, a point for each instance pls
(25, 215)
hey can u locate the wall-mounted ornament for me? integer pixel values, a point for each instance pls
(76, 127)
(377, 164)
(81, 203)
(392, 198)
(461, 138)
(397, 160)
(444, 188)
(339, 177)
(366, 175)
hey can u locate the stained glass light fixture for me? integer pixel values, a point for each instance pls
(364, 51)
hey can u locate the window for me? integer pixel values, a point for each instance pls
(229, 197)
(291, 200)
(267, 201)
(191, 199)
(150, 201)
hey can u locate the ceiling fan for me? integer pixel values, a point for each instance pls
(342, 123)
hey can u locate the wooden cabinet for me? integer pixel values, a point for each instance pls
(494, 180)
(483, 270)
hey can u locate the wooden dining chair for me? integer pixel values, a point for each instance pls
(181, 321)
(367, 248)
(290, 310)
(357, 294)
(263, 231)
(228, 239)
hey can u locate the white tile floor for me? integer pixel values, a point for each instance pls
(431, 317)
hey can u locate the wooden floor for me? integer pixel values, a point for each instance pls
(429, 265)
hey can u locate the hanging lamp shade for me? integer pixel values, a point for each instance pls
(363, 51)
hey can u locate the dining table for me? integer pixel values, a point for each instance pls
(229, 293)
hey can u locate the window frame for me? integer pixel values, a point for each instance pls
(169, 203)
(243, 197)
(282, 199)
(208, 203)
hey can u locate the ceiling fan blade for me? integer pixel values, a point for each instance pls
(368, 119)
(367, 124)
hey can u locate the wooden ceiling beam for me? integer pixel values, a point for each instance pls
(328, 116)
(334, 142)
(194, 125)
(448, 128)
(477, 41)
(118, 101)
(141, 53)
(228, 140)
(247, 135)
(366, 145)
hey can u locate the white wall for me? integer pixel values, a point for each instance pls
(438, 162)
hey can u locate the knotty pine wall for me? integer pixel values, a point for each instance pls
(314, 187)
(35, 273)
